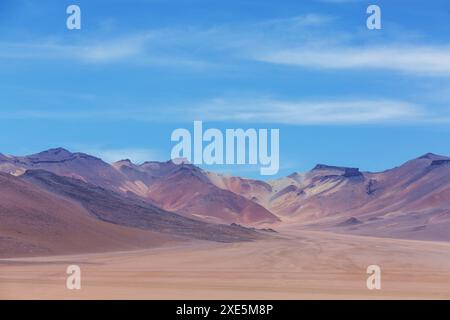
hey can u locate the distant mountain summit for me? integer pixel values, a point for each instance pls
(57, 155)
(432, 156)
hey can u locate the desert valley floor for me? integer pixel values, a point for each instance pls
(294, 265)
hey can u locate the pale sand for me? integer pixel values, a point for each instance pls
(301, 265)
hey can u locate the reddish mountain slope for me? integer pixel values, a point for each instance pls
(185, 189)
(410, 201)
(64, 163)
(112, 207)
(37, 222)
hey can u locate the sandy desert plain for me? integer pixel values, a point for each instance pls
(294, 265)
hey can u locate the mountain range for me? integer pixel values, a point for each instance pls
(57, 202)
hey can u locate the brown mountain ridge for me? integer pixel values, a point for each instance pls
(410, 201)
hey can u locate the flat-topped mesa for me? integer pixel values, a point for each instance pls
(346, 171)
(352, 172)
(327, 167)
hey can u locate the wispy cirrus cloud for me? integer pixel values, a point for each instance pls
(274, 41)
(106, 51)
(148, 48)
(413, 59)
(300, 21)
(337, 111)
(187, 46)
(256, 110)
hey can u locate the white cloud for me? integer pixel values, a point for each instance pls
(107, 51)
(355, 111)
(413, 59)
(257, 110)
(273, 41)
(150, 48)
(300, 21)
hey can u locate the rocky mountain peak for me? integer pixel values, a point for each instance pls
(432, 156)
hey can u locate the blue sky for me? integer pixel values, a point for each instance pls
(138, 69)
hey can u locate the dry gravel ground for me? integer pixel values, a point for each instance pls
(297, 265)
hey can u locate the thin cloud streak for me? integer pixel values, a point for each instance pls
(297, 22)
(151, 48)
(310, 112)
(262, 110)
(271, 41)
(418, 59)
(107, 51)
